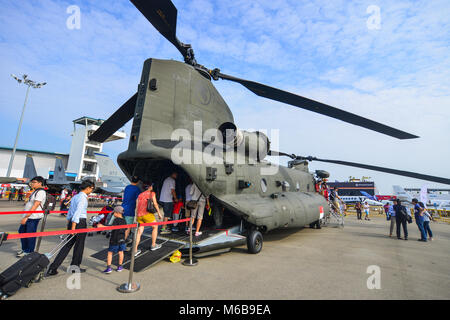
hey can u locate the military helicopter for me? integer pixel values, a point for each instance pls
(181, 123)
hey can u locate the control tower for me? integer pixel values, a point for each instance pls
(81, 158)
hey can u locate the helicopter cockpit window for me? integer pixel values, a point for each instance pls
(298, 186)
(263, 185)
(285, 185)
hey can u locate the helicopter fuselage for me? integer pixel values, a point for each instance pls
(178, 113)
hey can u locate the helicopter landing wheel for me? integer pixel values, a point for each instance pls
(254, 242)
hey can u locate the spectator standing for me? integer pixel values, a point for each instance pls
(358, 208)
(400, 219)
(418, 216)
(197, 195)
(76, 220)
(130, 195)
(167, 197)
(426, 221)
(12, 192)
(366, 211)
(391, 214)
(116, 241)
(20, 196)
(144, 216)
(187, 199)
(30, 221)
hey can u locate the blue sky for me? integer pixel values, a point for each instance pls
(398, 74)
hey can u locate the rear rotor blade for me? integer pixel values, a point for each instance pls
(318, 107)
(162, 14)
(119, 118)
(382, 169)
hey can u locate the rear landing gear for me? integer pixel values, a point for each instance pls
(254, 241)
(315, 225)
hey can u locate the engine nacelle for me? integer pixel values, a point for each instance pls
(255, 145)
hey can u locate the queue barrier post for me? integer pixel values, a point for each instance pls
(190, 262)
(44, 221)
(131, 286)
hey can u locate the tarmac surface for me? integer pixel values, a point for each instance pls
(330, 263)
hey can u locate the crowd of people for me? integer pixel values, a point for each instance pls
(332, 196)
(13, 193)
(140, 204)
(399, 216)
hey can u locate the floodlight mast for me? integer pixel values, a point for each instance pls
(30, 83)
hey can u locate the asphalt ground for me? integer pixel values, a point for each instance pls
(330, 263)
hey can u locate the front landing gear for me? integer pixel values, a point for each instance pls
(254, 241)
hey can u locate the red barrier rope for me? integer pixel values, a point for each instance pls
(86, 230)
(21, 212)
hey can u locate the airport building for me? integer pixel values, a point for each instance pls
(82, 161)
(44, 161)
(352, 188)
(79, 163)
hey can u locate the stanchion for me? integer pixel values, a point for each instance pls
(130, 286)
(38, 244)
(190, 262)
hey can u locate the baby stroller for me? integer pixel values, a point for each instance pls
(103, 219)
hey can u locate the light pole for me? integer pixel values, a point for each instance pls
(30, 83)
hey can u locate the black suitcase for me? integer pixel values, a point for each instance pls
(29, 269)
(23, 272)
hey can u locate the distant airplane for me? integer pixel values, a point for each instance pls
(402, 195)
(29, 172)
(114, 181)
(354, 199)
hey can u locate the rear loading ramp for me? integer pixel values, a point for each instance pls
(147, 258)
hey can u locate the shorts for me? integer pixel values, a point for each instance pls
(168, 209)
(128, 219)
(198, 212)
(366, 211)
(148, 218)
(116, 248)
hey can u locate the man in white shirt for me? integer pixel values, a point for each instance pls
(76, 219)
(167, 198)
(30, 221)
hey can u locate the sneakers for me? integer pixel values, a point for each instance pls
(165, 231)
(22, 254)
(119, 269)
(198, 233)
(108, 270)
(51, 272)
(155, 247)
(137, 253)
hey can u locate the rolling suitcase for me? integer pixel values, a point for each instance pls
(29, 269)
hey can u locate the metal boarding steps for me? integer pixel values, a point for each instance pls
(212, 241)
(147, 258)
(335, 214)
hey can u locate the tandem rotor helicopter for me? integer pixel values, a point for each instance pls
(175, 96)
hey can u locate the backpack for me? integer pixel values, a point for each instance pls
(50, 200)
(150, 205)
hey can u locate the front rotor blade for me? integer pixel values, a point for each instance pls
(116, 121)
(162, 14)
(318, 107)
(382, 169)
